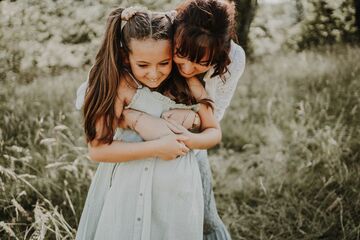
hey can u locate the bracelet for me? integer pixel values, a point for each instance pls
(136, 120)
(196, 122)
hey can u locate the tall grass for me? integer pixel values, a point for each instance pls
(297, 173)
(287, 168)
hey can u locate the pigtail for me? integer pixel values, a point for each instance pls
(104, 79)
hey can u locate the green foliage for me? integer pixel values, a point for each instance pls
(47, 36)
(287, 169)
(44, 171)
(326, 22)
(288, 166)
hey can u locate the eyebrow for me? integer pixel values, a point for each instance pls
(168, 59)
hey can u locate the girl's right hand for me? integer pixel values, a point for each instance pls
(172, 146)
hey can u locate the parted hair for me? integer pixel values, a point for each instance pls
(110, 67)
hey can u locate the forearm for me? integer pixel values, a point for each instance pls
(147, 126)
(119, 151)
(210, 134)
(208, 138)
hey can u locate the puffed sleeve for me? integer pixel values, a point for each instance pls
(225, 91)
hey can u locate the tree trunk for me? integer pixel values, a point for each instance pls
(299, 10)
(245, 13)
(357, 15)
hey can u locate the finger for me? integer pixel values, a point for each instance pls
(184, 148)
(185, 151)
(181, 137)
(177, 125)
(166, 115)
(173, 128)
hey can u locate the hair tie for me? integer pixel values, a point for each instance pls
(171, 15)
(129, 12)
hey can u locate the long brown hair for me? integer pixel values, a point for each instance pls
(105, 75)
(205, 28)
(110, 67)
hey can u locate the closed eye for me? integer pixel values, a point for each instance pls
(204, 64)
(164, 63)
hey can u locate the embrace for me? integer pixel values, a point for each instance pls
(160, 84)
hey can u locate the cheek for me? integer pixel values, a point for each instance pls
(167, 69)
(202, 69)
(177, 60)
(137, 71)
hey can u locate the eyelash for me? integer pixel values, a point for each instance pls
(203, 64)
(180, 55)
(162, 64)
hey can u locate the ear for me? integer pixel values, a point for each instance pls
(124, 57)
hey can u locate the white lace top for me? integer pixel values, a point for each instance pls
(221, 93)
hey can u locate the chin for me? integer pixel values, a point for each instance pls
(153, 85)
(186, 75)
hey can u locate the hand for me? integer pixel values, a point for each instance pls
(179, 129)
(172, 146)
(183, 117)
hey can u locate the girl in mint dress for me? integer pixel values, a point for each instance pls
(135, 194)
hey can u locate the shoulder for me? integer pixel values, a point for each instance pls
(237, 56)
(237, 65)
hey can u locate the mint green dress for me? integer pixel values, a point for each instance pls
(149, 199)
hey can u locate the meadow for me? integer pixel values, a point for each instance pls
(287, 167)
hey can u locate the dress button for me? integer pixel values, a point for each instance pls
(141, 194)
(139, 219)
(146, 168)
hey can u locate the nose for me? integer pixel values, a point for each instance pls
(153, 73)
(187, 67)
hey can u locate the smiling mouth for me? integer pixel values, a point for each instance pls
(188, 74)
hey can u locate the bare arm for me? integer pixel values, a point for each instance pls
(210, 135)
(150, 127)
(166, 147)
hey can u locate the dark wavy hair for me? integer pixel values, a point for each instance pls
(205, 28)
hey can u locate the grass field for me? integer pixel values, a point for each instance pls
(288, 166)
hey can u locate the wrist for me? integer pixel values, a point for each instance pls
(156, 148)
(191, 142)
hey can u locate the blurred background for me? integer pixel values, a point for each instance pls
(288, 165)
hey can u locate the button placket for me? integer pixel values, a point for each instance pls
(146, 178)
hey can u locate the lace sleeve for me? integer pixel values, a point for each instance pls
(225, 91)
